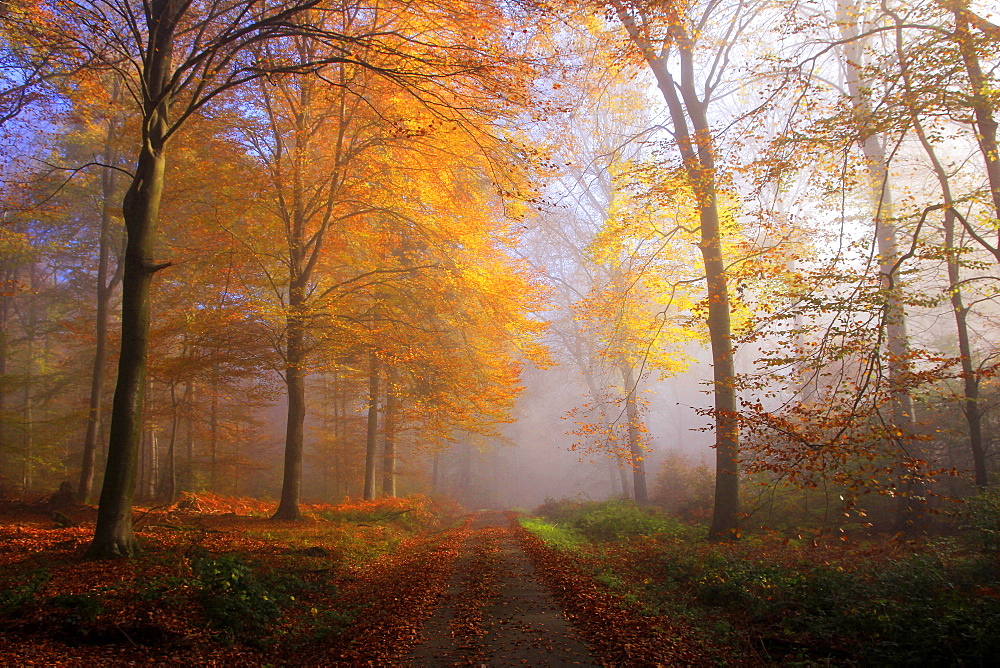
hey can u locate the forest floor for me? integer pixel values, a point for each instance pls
(391, 582)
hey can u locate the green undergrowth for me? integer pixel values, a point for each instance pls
(555, 535)
(884, 602)
(611, 520)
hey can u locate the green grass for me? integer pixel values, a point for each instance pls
(553, 534)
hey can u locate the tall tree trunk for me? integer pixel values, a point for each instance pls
(153, 474)
(6, 288)
(389, 437)
(693, 133)
(436, 473)
(213, 434)
(894, 313)
(973, 414)
(113, 535)
(984, 105)
(168, 478)
(624, 467)
(970, 378)
(27, 418)
(187, 484)
(637, 454)
(372, 442)
(295, 381)
(877, 165)
(300, 266)
(107, 281)
(237, 461)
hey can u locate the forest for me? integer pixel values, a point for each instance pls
(360, 333)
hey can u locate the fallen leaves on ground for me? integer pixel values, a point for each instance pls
(619, 632)
(360, 593)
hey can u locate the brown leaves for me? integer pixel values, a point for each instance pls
(362, 598)
(615, 629)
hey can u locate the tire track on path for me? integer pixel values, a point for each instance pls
(496, 612)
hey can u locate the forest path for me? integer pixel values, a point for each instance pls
(495, 611)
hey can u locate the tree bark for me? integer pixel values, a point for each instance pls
(295, 381)
(689, 113)
(897, 344)
(187, 483)
(168, 477)
(983, 102)
(637, 454)
(213, 434)
(5, 305)
(372, 441)
(970, 379)
(389, 437)
(27, 418)
(113, 535)
(105, 289)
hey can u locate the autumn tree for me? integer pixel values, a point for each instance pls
(687, 48)
(324, 141)
(175, 57)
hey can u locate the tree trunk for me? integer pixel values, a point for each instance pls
(113, 535)
(897, 344)
(697, 151)
(28, 433)
(970, 379)
(153, 474)
(389, 437)
(698, 157)
(299, 271)
(187, 484)
(168, 478)
(624, 466)
(106, 285)
(973, 414)
(295, 381)
(6, 289)
(213, 435)
(637, 454)
(983, 101)
(372, 441)
(436, 473)
(894, 313)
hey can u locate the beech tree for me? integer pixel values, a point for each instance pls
(175, 56)
(671, 39)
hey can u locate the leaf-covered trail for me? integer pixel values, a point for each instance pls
(496, 612)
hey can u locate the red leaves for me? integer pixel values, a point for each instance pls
(366, 589)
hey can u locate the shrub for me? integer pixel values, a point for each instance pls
(610, 520)
(555, 535)
(80, 609)
(983, 519)
(684, 487)
(411, 511)
(562, 510)
(616, 519)
(239, 601)
(13, 598)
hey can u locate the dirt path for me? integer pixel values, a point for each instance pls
(495, 611)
